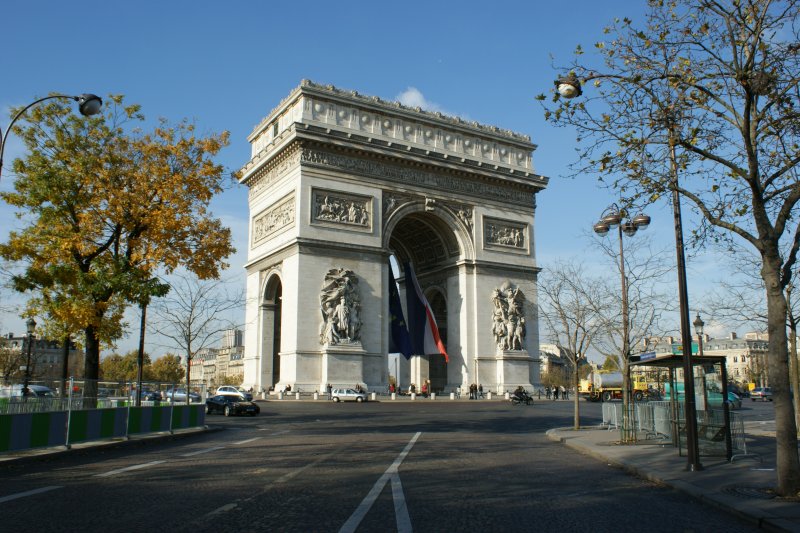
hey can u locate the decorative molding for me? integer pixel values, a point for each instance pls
(465, 213)
(279, 216)
(392, 201)
(341, 209)
(420, 178)
(507, 235)
(272, 172)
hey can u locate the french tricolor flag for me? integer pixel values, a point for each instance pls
(421, 323)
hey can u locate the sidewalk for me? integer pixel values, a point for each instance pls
(741, 487)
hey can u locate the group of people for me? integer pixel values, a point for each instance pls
(475, 391)
(554, 392)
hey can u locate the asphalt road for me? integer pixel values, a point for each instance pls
(379, 466)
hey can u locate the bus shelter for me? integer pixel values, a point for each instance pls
(711, 398)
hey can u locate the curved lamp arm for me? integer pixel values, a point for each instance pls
(88, 104)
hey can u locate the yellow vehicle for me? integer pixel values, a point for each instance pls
(606, 387)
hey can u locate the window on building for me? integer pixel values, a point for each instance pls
(735, 359)
(744, 359)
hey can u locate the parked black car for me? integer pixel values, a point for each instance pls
(228, 405)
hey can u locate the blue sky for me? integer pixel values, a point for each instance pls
(226, 65)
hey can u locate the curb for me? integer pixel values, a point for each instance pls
(742, 509)
(45, 454)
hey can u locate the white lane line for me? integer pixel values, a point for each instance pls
(366, 504)
(245, 441)
(129, 468)
(286, 477)
(200, 452)
(400, 508)
(28, 493)
(225, 508)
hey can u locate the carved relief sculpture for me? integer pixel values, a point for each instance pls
(341, 308)
(508, 318)
(341, 209)
(273, 219)
(504, 233)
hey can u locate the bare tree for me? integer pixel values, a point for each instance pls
(700, 104)
(739, 300)
(647, 301)
(570, 301)
(194, 314)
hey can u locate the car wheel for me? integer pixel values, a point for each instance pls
(227, 410)
(208, 409)
(359, 399)
(336, 399)
(637, 396)
(607, 396)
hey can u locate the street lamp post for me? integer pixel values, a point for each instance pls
(88, 104)
(570, 87)
(613, 217)
(31, 325)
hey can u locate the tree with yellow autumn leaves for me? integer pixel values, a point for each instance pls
(106, 206)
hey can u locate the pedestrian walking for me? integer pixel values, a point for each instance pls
(329, 390)
(480, 390)
(547, 392)
(555, 393)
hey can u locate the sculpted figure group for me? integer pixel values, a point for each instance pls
(341, 306)
(508, 320)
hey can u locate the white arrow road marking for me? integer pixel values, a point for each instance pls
(245, 441)
(28, 493)
(128, 469)
(401, 510)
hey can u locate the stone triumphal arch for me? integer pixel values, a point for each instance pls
(340, 182)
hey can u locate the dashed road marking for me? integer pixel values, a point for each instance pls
(200, 452)
(28, 493)
(129, 468)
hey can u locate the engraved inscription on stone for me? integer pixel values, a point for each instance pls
(504, 233)
(274, 219)
(340, 208)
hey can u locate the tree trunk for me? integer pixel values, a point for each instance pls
(576, 383)
(91, 367)
(788, 463)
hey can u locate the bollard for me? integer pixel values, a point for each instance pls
(296, 395)
(394, 396)
(433, 396)
(488, 395)
(373, 397)
(280, 396)
(413, 396)
(316, 396)
(452, 395)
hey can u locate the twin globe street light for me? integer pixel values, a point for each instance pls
(88, 104)
(570, 87)
(613, 218)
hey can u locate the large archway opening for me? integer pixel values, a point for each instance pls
(271, 332)
(430, 245)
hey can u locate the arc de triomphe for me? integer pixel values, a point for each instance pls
(338, 183)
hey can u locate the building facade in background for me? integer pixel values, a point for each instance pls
(224, 365)
(47, 359)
